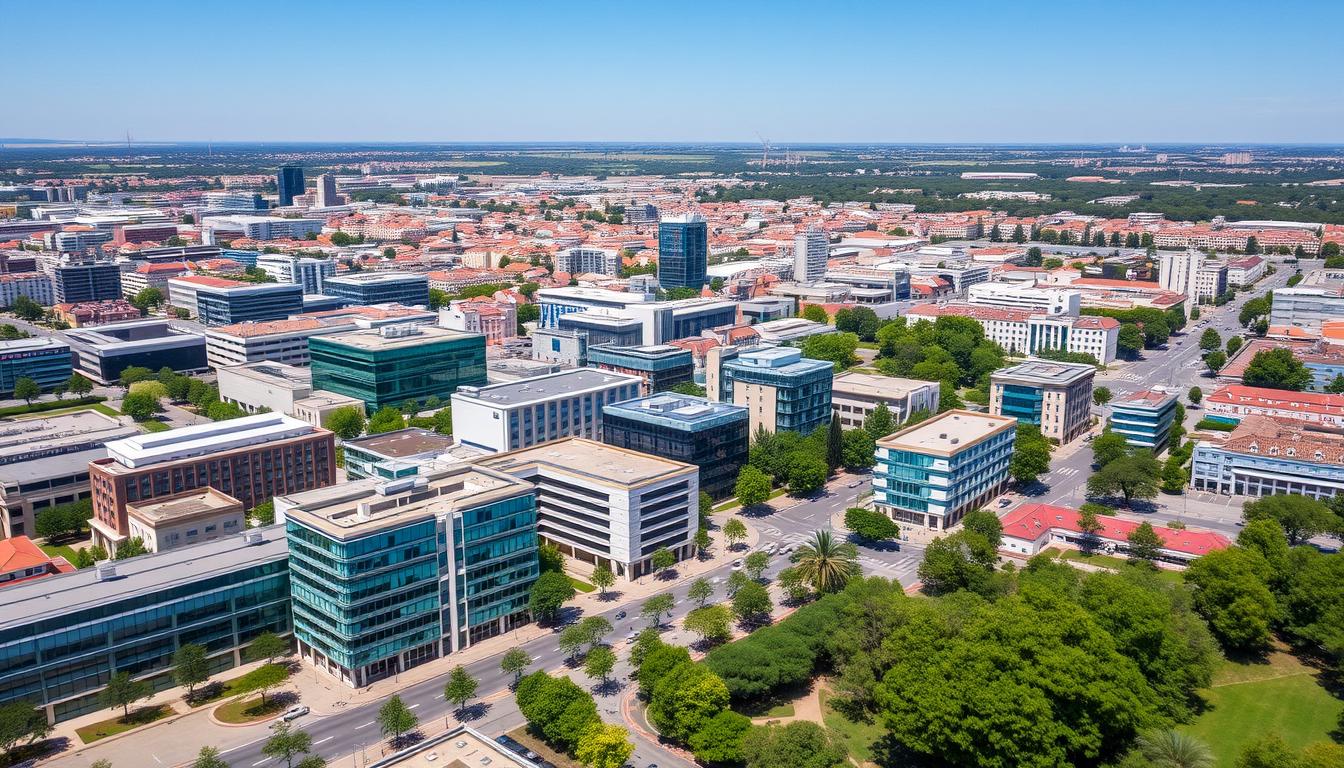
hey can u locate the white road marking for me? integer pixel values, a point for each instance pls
(366, 725)
(259, 762)
(323, 741)
(413, 706)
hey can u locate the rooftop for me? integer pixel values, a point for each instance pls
(1045, 373)
(875, 386)
(23, 440)
(400, 337)
(203, 439)
(1148, 399)
(33, 344)
(595, 461)
(1030, 521)
(372, 278)
(274, 374)
(539, 388)
(678, 411)
(183, 506)
(948, 432)
(403, 443)
(462, 747)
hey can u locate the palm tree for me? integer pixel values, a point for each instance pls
(827, 564)
(1171, 749)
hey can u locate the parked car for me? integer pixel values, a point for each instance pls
(737, 565)
(620, 615)
(1005, 502)
(513, 745)
(294, 713)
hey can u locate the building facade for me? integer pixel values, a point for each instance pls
(1145, 418)
(393, 455)
(782, 390)
(713, 436)
(79, 281)
(856, 395)
(1262, 457)
(103, 352)
(811, 249)
(289, 184)
(184, 519)
(582, 260)
(266, 386)
(519, 414)
(683, 251)
(254, 302)
(1025, 332)
(1057, 397)
(366, 288)
(44, 359)
(397, 363)
(34, 285)
(662, 366)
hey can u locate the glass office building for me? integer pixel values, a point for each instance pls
(1145, 418)
(62, 637)
(78, 281)
(712, 436)
(396, 363)
(365, 288)
(289, 183)
(44, 360)
(662, 366)
(683, 252)
(782, 390)
(256, 303)
(388, 575)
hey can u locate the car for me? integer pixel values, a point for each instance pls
(620, 615)
(632, 637)
(737, 565)
(1004, 502)
(786, 549)
(294, 713)
(855, 484)
(513, 745)
(770, 548)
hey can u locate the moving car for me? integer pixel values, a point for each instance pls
(294, 713)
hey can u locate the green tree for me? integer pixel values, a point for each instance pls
(190, 667)
(702, 540)
(267, 647)
(857, 450)
(835, 444)
(655, 607)
(713, 623)
(662, 559)
(132, 547)
(593, 628)
(395, 719)
(1230, 592)
(873, 526)
(1089, 526)
(1195, 395)
(962, 560)
(140, 406)
(879, 423)
(1101, 395)
(734, 531)
(1133, 476)
(985, 523)
(549, 558)
(209, 757)
(287, 743)
(800, 744)
(264, 513)
(603, 578)
(604, 745)
(826, 565)
(835, 348)
(1300, 517)
(266, 677)
(753, 487)
(347, 422)
(791, 583)
(1210, 340)
(806, 474)
(27, 390)
(386, 419)
(684, 698)
(1277, 369)
(700, 592)
(751, 603)
(1267, 750)
(718, 741)
(814, 312)
(461, 686)
(599, 663)
(1031, 454)
(550, 591)
(1336, 385)
(571, 641)
(1129, 342)
(1144, 544)
(1234, 344)
(122, 691)
(756, 563)
(20, 722)
(514, 662)
(1215, 361)
(25, 308)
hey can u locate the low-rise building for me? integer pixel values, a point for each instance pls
(713, 436)
(497, 321)
(554, 345)
(315, 408)
(662, 366)
(218, 301)
(393, 455)
(1145, 418)
(262, 387)
(1024, 332)
(1234, 402)
(1262, 457)
(1057, 397)
(522, 413)
(855, 395)
(460, 746)
(366, 288)
(34, 285)
(933, 473)
(790, 329)
(396, 364)
(286, 341)
(1042, 300)
(225, 229)
(1033, 527)
(102, 353)
(96, 312)
(44, 359)
(782, 390)
(22, 560)
(1246, 271)
(185, 518)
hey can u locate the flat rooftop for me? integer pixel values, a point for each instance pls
(274, 374)
(204, 439)
(184, 506)
(540, 388)
(1151, 399)
(34, 344)
(1045, 372)
(597, 462)
(948, 432)
(680, 411)
(25, 439)
(403, 443)
(374, 278)
(321, 398)
(373, 339)
(462, 747)
(875, 386)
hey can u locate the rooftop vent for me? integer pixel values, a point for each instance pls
(251, 538)
(105, 571)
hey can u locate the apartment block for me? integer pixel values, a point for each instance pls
(1232, 403)
(582, 259)
(1057, 397)
(693, 430)
(218, 301)
(522, 413)
(497, 321)
(78, 281)
(662, 366)
(34, 285)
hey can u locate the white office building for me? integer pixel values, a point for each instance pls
(584, 259)
(811, 249)
(525, 412)
(266, 386)
(1050, 301)
(218, 229)
(286, 341)
(1177, 270)
(307, 271)
(856, 395)
(34, 285)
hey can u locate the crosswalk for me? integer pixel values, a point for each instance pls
(1065, 472)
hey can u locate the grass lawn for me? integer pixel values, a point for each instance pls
(560, 759)
(729, 504)
(154, 426)
(249, 709)
(106, 410)
(1282, 696)
(61, 550)
(581, 585)
(780, 710)
(111, 727)
(1108, 562)
(235, 687)
(858, 738)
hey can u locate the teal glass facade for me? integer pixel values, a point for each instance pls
(1023, 403)
(938, 491)
(802, 391)
(683, 254)
(391, 376)
(1144, 423)
(48, 366)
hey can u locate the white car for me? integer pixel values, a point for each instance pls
(294, 713)
(737, 565)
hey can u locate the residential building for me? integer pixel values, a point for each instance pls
(44, 359)
(855, 395)
(365, 288)
(933, 473)
(286, 341)
(1262, 457)
(522, 413)
(289, 184)
(1033, 527)
(1057, 397)
(583, 259)
(497, 321)
(96, 313)
(62, 638)
(315, 408)
(395, 364)
(79, 281)
(184, 519)
(1023, 332)
(1231, 403)
(1177, 270)
(1145, 418)
(713, 436)
(252, 459)
(1305, 307)
(393, 455)
(325, 196)
(385, 576)
(22, 560)
(102, 353)
(217, 301)
(602, 504)
(1048, 301)
(34, 285)
(1210, 281)
(151, 276)
(265, 386)
(782, 390)
(1244, 272)
(307, 271)
(220, 230)
(811, 249)
(683, 251)
(457, 747)
(662, 366)
(44, 463)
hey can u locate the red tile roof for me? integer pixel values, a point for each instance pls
(1030, 521)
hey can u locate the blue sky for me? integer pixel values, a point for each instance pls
(826, 70)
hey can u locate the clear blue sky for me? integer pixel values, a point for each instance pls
(825, 70)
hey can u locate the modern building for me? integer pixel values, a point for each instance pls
(1022, 331)
(62, 638)
(307, 271)
(781, 389)
(218, 301)
(1210, 281)
(286, 341)
(583, 259)
(616, 312)
(522, 413)
(811, 249)
(102, 353)
(252, 459)
(44, 462)
(1245, 272)
(366, 288)
(1177, 271)
(21, 560)
(603, 327)
(1057, 397)
(220, 230)
(602, 504)
(325, 196)
(460, 746)
(683, 251)
(552, 345)
(855, 395)
(185, 518)
(1033, 527)
(289, 184)
(388, 575)
(44, 359)
(394, 455)
(662, 366)
(315, 408)
(1048, 301)
(34, 285)
(395, 364)
(933, 473)
(1145, 418)
(552, 303)
(1262, 457)
(693, 430)
(1304, 307)
(79, 281)
(264, 387)
(790, 329)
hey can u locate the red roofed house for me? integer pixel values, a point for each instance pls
(1031, 527)
(22, 560)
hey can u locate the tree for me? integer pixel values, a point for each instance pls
(806, 474)
(683, 698)
(266, 677)
(1130, 341)
(123, 691)
(190, 667)
(734, 530)
(571, 641)
(753, 487)
(985, 523)
(26, 389)
(603, 578)
(1195, 395)
(1336, 385)
(713, 623)
(857, 450)
(825, 564)
(21, 722)
(1268, 750)
(1101, 395)
(662, 559)
(264, 513)
(1145, 544)
(514, 662)
(1134, 476)
(1215, 360)
(835, 444)
(140, 406)
(1230, 592)
(134, 373)
(461, 686)
(873, 526)
(132, 547)
(800, 744)
(1277, 369)
(751, 602)
(396, 719)
(147, 298)
(700, 592)
(25, 308)
(1234, 344)
(604, 746)
(1089, 526)
(1300, 517)
(962, 560)
(1210, 340)
(550, 559)
(654, 608)
(347, 422)
(791, 583)
(550, 591)
(267, 646)
(599, 663)
(814, 312)
(593, 628)
(756, 563)
(287, 743)
(386, 419)
(1031, 454)
(718, 741)
(879, 423)
(209, 757)
(1173, 749)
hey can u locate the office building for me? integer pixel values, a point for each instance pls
(1234, 402)
(265, 386)
(1176, 270)
(1022, 331)
(933, 473)
(497, 321)
(184, 519)
(1210, 281)
(1263, 457)
(552, 303)
(603, 327)
(683, 251)
(1057, 397)
(456, 748)
(315, 408)
(394, 455)
(325, 196)
(662, 366)
(1048, 301)
(151, 275)
(306, 271)
(34, 285)
(713, 436)
(44, 359)
(522, 413)
(855, 395)
(218, 301)
(221, 230)
(289, 184)
(1302, 309)
(765, 308)
(405, 288)
(811, 249)
(44, 462)
(582, 260)
(252, 459)
(782, 390)
(62, 638)
(395, 364)
(286, 341)
(602, 504)
(79, 240)
(624, 314)
(552, 345)
(789, 329)
(79, 281)
(102, 353)
(1033, 527)
(1145, 418)
(385, 576)
(22, 560)
(502, 370)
